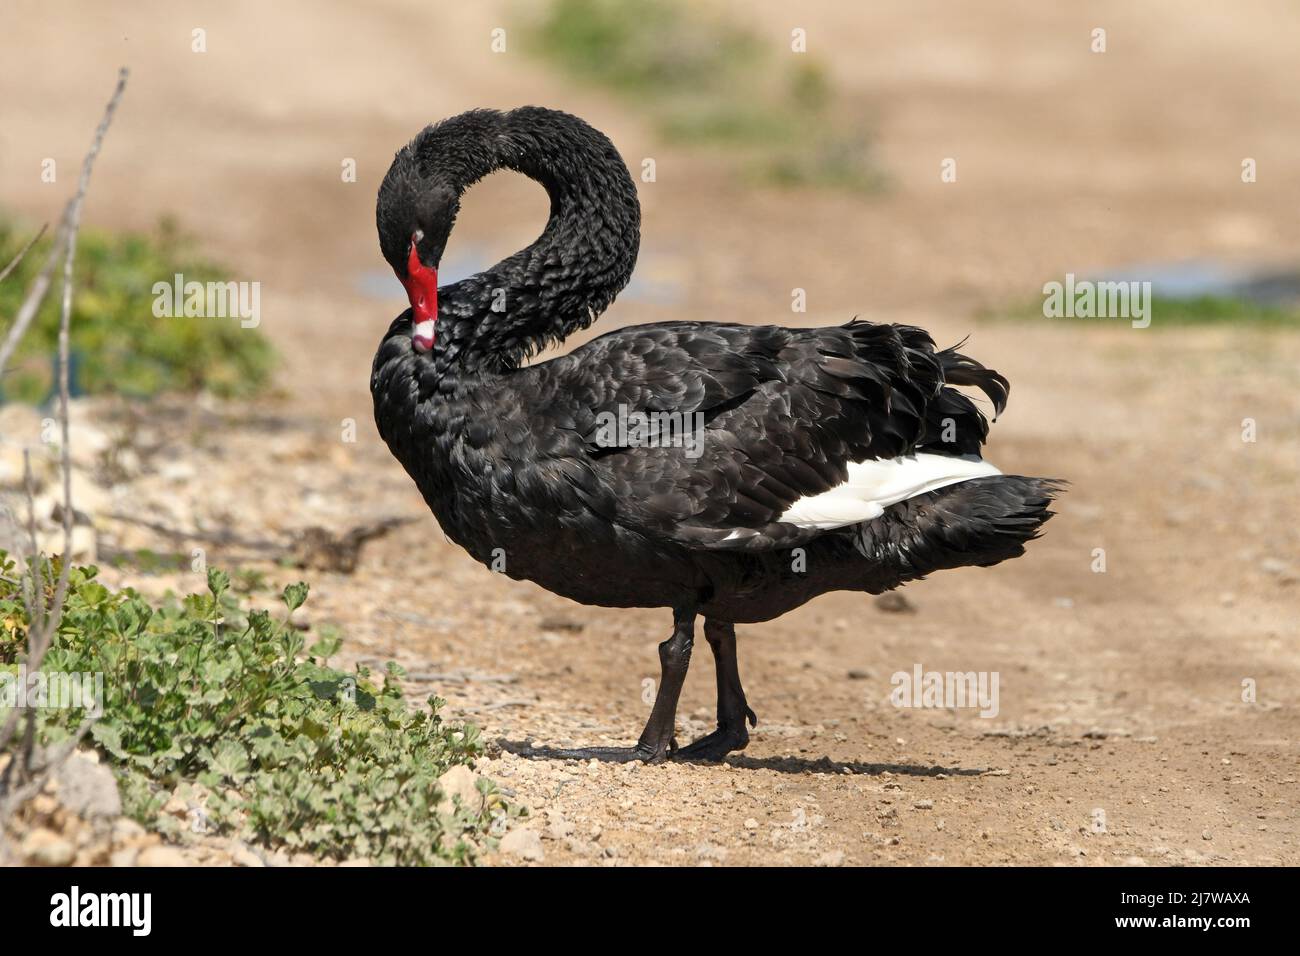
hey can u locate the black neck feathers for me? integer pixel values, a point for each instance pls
(494, 320)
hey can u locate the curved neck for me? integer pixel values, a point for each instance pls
(572, 272)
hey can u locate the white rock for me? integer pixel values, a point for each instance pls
(125, 830)
(559, 829)
(460, 782)
(87, 789)
(525, 844)
(161, 856)
(176, 471)
(87, 440)
(241, 855)
(46, 848)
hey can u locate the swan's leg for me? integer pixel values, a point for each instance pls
(733, 709)
(656, 741)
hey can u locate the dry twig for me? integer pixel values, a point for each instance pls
(43, 623)
(13, 263)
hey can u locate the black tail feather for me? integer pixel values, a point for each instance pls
(979, 522)
(961, 369)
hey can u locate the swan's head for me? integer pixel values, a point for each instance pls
(414, 216)
(420, 197)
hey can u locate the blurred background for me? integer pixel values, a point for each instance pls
(793, 148)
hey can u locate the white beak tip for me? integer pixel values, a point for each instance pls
(422, 336)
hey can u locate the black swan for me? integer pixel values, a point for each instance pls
(725, 471)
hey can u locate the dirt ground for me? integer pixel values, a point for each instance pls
(1122, 735)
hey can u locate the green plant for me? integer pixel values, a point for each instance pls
(204, 697)
(652, 49)
(118, 344)
(1162, 311)
(707, 81)
(250, 581)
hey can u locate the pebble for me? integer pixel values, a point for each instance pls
(894, 603)
(161, 856)
(126, 830)
(523, 843)
(46, 848)
(460, 781)
(711, 852)
(559, 829)
(241, 855)
(87, 789)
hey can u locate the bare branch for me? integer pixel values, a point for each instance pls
(40, 632)
(65, 322)
(67, 233)
(35, 295)
(13, 263)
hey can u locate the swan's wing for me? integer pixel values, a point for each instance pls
(743, 437)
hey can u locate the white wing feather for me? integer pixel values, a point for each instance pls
(876, 484)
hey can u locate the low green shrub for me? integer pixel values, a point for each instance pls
(118, 345)
(203, 695)
(1162, 311)
(707, 81)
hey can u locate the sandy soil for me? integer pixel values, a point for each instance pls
(1122, 735)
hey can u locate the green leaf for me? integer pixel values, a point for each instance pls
(328, 645)
(108, 737)
(229, 759)
(218, 581)
(295, 595)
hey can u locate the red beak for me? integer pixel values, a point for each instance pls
(421, 284)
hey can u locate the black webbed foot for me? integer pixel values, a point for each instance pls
(728, 738)
(657, 742)
(733, 709)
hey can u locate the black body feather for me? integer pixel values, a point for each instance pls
(523, 470)
(508, 457)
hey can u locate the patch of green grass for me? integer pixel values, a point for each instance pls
(118, 344)
(1217, 309)
(709, 82)
(652, 49)
(204, 696)
(1204, 310)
